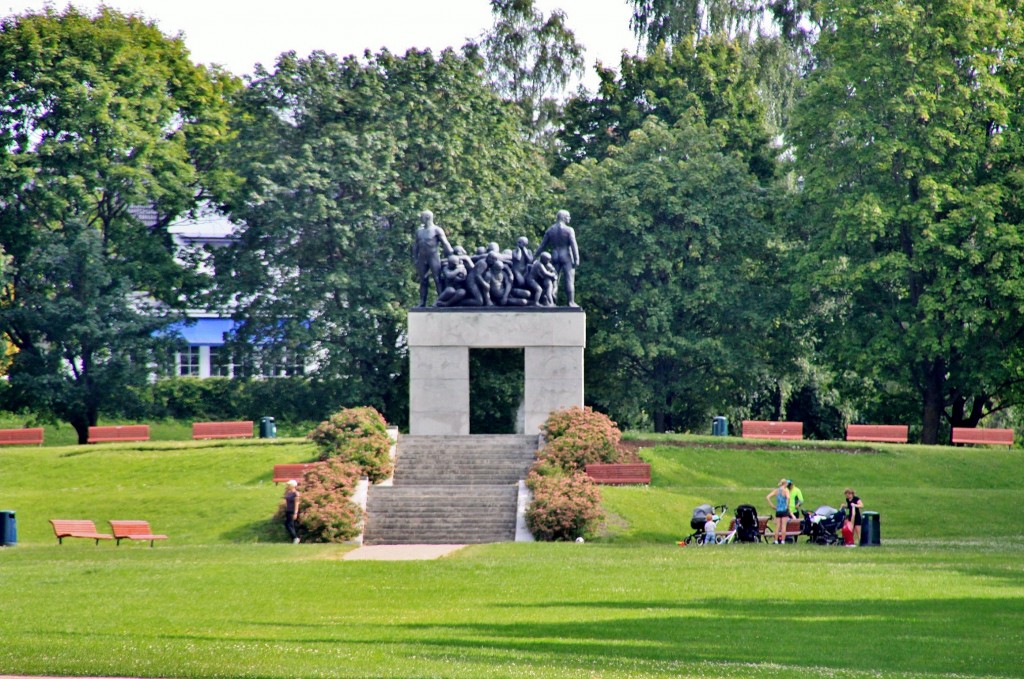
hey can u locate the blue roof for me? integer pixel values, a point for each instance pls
(204, 330)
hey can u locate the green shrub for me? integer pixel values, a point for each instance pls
(357, 435)
(577, 437)
(565, 506)
(326, 510)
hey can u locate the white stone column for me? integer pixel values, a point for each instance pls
(554, 381)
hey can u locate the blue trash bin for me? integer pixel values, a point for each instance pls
(8, 528)
(268, 430)
(719, 426)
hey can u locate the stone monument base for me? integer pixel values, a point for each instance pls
(553, 340)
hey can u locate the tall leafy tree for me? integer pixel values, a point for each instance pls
(910, 148)
(78, 350)
(531, 59)
(678, 274)
(671, 21)
(707, 77)
(339, 158)
(776, 36)
(102, 119)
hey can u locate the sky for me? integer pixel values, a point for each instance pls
(238, 35)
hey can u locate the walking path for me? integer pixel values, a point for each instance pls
(398, 553)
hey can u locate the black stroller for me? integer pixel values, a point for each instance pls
(824, 525)
(747, 528)
(697, 521)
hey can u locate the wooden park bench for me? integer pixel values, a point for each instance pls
(77, 528)
(134, 530)
(620, 474)
(885, 433)
(124, 432)
(288, 472)
(757, 429)
(222, 430)
(992, 437)
(21, 437)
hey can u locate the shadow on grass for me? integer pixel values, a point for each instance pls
(968, 636)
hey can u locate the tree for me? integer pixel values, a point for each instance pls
(679, 258)
(339, 158)
(672, 21)
(531, 59)
(708, 77)
(776, 36)
(909, 143)
(79, 349)
(102, 119)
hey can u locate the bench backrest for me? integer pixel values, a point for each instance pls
(222, 430)
(125, 432)
(19, 437)
(1002, 437)
(72, 526)
(757, 429)
(889, 433)
(620, 474)
(123, 529)
(288, 472)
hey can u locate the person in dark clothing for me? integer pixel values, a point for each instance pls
(291, 510)
(853, 507)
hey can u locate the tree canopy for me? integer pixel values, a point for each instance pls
(706, 77)
(108, 132)
(531, 59)
(678, 284)
(909, 143)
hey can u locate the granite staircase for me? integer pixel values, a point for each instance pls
(450, 490)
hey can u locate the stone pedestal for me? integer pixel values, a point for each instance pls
(439, 344)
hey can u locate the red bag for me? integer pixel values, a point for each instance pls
(847, 533)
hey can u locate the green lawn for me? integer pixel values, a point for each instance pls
(942, 596)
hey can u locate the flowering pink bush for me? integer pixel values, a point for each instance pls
(578, 436)
(357, 435)
(564, 507)
(326, 510)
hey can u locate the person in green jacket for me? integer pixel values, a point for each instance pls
(796, 500)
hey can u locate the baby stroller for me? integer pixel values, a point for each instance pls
(697, 521)
(824, 525)
(746, 524)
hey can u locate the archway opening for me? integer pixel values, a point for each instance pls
(496, 391)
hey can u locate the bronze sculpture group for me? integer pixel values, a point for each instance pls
(492, 277)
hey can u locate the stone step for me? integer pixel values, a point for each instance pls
(450, 490)
(440, 514)
(446, 466)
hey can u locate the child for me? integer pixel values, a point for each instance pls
(709, 529)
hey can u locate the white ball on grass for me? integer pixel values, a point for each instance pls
(579, 539)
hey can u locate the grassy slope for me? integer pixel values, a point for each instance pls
(216, 600)
(919, 492)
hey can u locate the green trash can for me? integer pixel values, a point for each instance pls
(268, 430)
(8, 528)
(719, 426)
(870, 529)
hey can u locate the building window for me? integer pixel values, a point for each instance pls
(188, 362)
(289, 365)
(220, 362)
